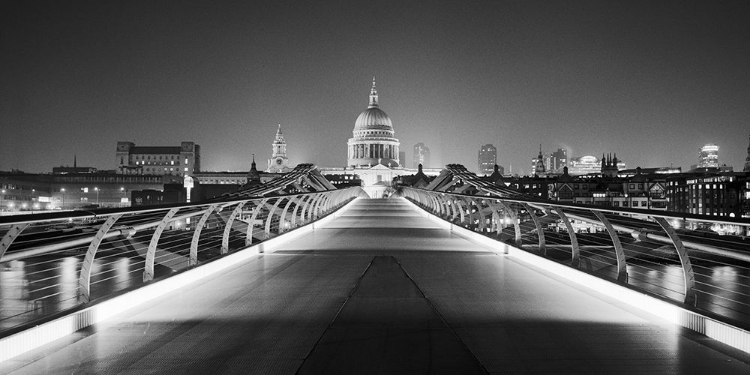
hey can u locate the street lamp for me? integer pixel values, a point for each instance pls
(97, 195)
(2, 198)
(63, 198)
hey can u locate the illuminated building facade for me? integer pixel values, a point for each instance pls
(720, 194)
(30, 192)
(486, 160)
(159, 160)
(549, 164)
(642, 191)
(585, 165)
(558, 160)
(709, 156)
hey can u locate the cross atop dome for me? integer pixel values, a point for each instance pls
(373, 95)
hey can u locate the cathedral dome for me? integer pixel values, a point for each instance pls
(373, 141)
(373, 117)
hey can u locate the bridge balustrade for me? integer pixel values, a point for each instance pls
(699, 262)
(60, 261)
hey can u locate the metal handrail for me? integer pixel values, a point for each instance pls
(636, 248)
(41, 254)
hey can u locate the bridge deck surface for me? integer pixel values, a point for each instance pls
(382, 290)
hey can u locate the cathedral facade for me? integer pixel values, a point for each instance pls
(373, 151)
(373, 142)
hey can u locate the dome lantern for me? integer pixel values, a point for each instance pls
(373, 95)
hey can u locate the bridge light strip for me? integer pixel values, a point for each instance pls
(48, 332)
(725, 333)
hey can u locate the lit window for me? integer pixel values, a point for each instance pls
(186, 169)
(186, 161)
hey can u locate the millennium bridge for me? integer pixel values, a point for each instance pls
(296, 276)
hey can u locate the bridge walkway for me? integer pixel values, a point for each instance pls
(381, 289)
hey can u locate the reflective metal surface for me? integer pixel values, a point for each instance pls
(382, 290)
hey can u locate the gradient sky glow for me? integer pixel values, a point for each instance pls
(649, 80)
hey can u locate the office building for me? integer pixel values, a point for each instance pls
(487, 159)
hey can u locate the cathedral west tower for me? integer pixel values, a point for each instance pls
(373, 140)
(278, 163)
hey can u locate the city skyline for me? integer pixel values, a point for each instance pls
(649, 82)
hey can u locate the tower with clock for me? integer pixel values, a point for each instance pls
(278, 163)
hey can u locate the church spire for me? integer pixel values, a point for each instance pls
(373, 95)
(253, 177)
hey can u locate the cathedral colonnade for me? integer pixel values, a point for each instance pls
(373, 151)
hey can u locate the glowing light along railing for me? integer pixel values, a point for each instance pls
(56, 262)
(698, 280)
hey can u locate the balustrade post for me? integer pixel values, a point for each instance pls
(11, 236)
(313, 206)
(456, 208)
(622, 271)
(688, 276)
(251, 223)
(317, 208)
(303, 201)
(289, 202)
(148, 272)
(470, 202)
(304, 216)
(482, 216)
(84, 278)
(539, 229)
(197, 234)
(574, 250)
(516, 225)
(228, 227)
(461, 211)
(270, 217)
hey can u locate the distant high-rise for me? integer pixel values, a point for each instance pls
(709, 156)
(747, 159)
(559, 160)
(421, 155)
(487, 159)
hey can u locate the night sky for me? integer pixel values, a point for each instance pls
(651, 81)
